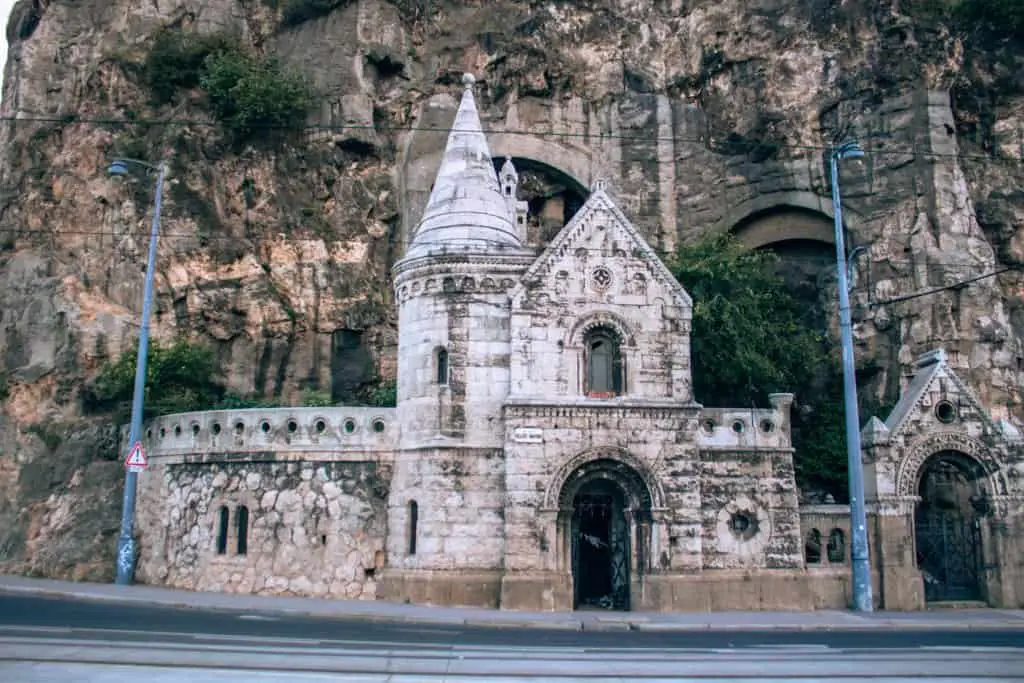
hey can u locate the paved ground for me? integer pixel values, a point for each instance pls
(23, 615)
(944, 620)
(46, 639)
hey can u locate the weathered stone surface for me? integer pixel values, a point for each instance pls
(293, 549)
(703, 117)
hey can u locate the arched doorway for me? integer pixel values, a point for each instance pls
(947, 527)
(600, 547)
(605, 523)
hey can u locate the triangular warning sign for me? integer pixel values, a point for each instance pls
(136, 461)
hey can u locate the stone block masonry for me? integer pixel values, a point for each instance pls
(293, 527)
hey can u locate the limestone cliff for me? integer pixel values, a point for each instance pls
(704, 115)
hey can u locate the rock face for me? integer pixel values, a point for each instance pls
(704, 116)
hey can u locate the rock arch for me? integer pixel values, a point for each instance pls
(571, 165)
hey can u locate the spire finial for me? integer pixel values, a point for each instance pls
(468, 80)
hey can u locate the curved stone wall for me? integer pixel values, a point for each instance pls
(331, 429)
(287, 501)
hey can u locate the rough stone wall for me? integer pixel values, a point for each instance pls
(758, 486)
(459, 495)
(314, 528)
(547, 443)
(563, 295)
(459, 305)
(699, 113)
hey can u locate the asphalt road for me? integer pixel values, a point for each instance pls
(138, 623)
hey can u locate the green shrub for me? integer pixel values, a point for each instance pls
(248, 94)
(298, 11)
(751, 338)
(1002, 17)
(313, 398)
(176, 60)
(179, 378)
(384, 395)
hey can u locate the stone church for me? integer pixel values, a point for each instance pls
(547, 452)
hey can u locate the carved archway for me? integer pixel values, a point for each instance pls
(612, 462)
(604, 502)
(908, 474)
(952, 500)
(596, 320)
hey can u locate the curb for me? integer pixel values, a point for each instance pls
(596, 625)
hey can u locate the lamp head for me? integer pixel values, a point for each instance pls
(849, 150)
(117, 169)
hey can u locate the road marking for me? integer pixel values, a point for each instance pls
(257, 617)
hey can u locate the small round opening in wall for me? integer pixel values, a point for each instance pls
(767, 426)
(163, 433)
(149, 433)
(709, 426)
(737, 427)
(743, 524)
(320, 426)
(195, 430)
(945, 411)
(239, 428)
(350, 426)
(265, 427)
(177, 430)
(293, 426)
(215, 428)
(378, 426)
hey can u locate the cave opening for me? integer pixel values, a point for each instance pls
(552, 195)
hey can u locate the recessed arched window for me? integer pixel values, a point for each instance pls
(812, 547)
(414, 518)
(836, 546)
(604, 378)
(441, 357)
(222, 531)
(242, 522)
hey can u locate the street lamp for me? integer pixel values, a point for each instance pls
(120, 168)
(862, 601)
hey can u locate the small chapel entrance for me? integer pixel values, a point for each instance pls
(947, 527)
(600, 547)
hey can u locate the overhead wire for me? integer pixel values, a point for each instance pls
(592, 138)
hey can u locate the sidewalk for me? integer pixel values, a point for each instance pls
(950, 620)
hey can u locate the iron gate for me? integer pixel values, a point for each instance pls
(949, 554)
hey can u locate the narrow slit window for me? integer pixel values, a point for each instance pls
(242, 520)
(414, 514)
(836, 546)
(222, 531)
(442, 366)
(812, 547)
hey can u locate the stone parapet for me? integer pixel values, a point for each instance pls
(335, 429)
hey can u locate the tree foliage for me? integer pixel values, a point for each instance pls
(248, 94)
(751, 337)
(1004, 17)
(180, 377)
(176, 61)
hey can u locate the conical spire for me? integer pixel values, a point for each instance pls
(466, 211)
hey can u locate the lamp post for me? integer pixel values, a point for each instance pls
(862, 601)
(126, 542)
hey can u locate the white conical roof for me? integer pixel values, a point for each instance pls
(466, 211)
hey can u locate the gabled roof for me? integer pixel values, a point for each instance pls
(931, 367)
(466, 211)
(579, 227)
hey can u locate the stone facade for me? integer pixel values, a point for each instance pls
(546, 451)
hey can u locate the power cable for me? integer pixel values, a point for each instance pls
(18, 232)
(955, 285)
(749, 144)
